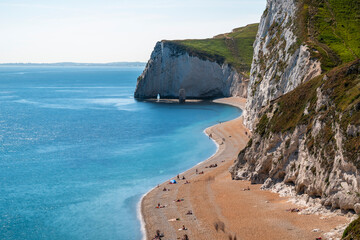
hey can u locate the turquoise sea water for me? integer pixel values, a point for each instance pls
(77, 152)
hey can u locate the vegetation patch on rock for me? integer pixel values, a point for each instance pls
(332, 30)
(235, 48)
(352, 231)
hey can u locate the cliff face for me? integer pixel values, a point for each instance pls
(309, 140)
(204, 68)
(303, 102)
(171, 68)
(281, 62)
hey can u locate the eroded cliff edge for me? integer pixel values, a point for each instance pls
(209, 68)
(304, 102)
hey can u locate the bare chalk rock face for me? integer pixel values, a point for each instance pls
(280, 63)
(171, 69)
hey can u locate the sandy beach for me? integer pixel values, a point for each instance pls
(222, 207)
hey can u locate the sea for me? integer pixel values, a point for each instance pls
(77, 151)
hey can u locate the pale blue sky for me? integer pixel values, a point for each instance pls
(111, 30)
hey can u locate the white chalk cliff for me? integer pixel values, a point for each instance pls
(280, 62)
(317, 155)
(171, 69)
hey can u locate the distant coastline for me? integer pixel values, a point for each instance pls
(74, 64)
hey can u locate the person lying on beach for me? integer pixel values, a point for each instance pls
(183, 228)
(164, 189)
(189, 212)
(202, 172)
(293, 210)
(183, 178)
(187, 182)
(246, 189)
(179, 200)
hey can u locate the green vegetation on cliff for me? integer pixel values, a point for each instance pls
(341, 90)
(235, 48)
(352, 231)
(332, 30)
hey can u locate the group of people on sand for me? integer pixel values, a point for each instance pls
(212, 165)
(197, 171)
(178, 177)
(159, 235)
(189, 212)
(160, 206)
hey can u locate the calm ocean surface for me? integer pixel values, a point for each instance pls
(77, 151)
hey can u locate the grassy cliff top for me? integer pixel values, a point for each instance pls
(332, 30)
(235, 48)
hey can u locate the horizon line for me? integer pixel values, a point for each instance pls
(76, 63)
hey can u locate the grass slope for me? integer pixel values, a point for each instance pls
(352, 231)
(235, 48)
(332, 29)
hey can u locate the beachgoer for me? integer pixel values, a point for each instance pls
(189, 212)
(183, 178)
(196, 170)
(178, 177)
(184, 228)
(185, 237)
(164, 189)
(158, 235)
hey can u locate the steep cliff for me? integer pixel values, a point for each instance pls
(281, 62)
(209, 68)
(310, 139)
(296, 41)
(304, 102)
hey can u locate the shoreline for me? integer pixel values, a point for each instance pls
(139, 209)
(212, 196)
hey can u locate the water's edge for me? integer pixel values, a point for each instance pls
(139, 205)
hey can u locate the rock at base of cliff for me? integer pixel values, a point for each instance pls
(182, 95)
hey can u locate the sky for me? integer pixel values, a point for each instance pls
(99, 31)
